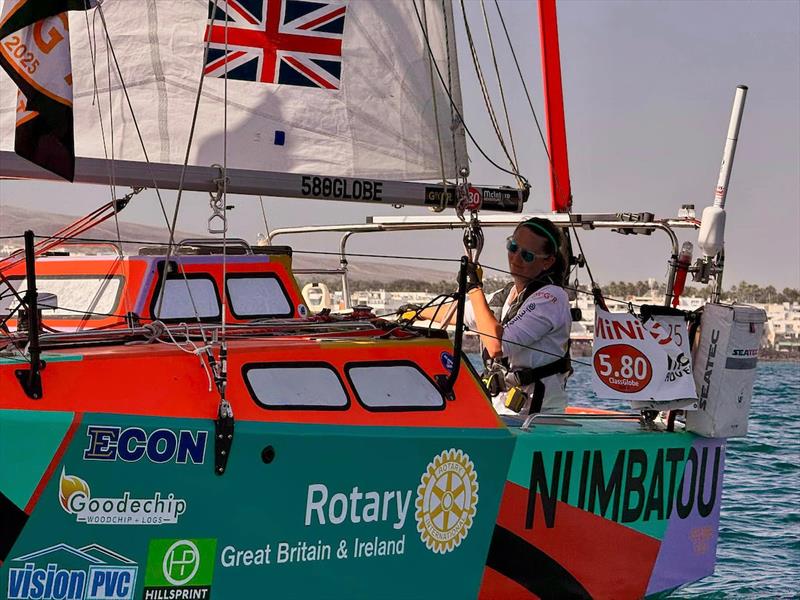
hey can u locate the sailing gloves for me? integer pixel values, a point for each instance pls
(409, 312)
(474, 276)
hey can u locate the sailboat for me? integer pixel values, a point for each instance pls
(176, 424)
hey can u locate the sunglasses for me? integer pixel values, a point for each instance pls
(513, 247)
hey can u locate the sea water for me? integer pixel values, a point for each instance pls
(758, 554)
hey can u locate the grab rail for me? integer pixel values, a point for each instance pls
(582, 416)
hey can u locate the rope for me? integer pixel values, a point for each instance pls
(10, 343)
(453, 103)
(224, 197)
(110, 46)
(490, 37)
(526, 346)
(379, 256)
(172, 226)
(478, 332)
(264, 214)
(577, 290)
(198, 351)
(485, 92)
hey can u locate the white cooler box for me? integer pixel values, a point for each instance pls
(725, 363)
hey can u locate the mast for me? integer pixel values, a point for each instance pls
(561, 192)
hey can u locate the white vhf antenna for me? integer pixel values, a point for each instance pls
(711, 238)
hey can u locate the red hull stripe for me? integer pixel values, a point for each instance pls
(62, 448)
(499, 587)
(613, 560)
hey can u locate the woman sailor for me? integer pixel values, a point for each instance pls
(524, 328)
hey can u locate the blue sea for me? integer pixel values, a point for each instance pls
(758, 555)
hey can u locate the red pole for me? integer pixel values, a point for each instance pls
(561, 192)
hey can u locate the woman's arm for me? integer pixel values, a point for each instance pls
(438, 313)
(487, 326)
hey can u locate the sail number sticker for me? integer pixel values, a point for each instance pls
(623, 368)
(341, 189)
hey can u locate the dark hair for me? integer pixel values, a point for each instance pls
(554, 245)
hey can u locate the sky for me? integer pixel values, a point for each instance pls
(648, 89)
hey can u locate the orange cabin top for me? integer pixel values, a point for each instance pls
(105, 292)
(283, 365)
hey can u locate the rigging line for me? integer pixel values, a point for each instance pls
(443, 201)
(110, 46)
(441, 299)
(10, 343)
(455, 108)
(89, 312)
(361, 255)
(544, 143)
(499, 83)
(224, 184)
(264, 214)
(184, 167)
(478, 332)
(485, 90)
(320, 252)
(112, 162)
(522, 79)
(566, 287)
(14, 291)
(352, 254)
(489, 335)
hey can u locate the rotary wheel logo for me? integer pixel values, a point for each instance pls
(446, 499)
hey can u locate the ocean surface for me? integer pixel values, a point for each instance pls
(758, 555)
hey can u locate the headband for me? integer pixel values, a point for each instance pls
(547, 234)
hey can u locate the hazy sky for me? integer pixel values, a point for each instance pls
(648, 90)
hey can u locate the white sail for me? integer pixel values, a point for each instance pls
(365, 105)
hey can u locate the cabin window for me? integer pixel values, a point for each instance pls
(253, 296)
(395, 385)
(188, 298)
(309, 385)
(78, 296)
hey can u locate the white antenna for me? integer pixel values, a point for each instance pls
(711, 238)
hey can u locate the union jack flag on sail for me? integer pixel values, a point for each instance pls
(291, 42)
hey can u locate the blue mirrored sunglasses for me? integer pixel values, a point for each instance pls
(513, 247)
